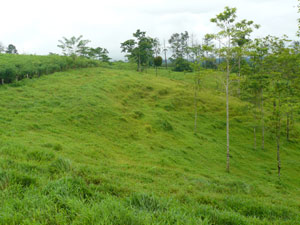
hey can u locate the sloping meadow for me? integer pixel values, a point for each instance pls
(110, 146)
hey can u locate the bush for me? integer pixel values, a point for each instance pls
(181, 65)
(157, 61)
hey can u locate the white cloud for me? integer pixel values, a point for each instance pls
(35, 26)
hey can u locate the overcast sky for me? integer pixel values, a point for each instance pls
(35, 26)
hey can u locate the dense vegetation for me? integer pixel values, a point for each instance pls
(15, 67)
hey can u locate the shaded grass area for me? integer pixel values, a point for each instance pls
(109, 146)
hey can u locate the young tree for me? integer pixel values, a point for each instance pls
(241, 40)
(288, 63)
(157, 63)
(258, 81)
(139, 49)
(165, 53)
(225, 21)
(277, 89)
(74, 46)
(196, 51)
(282, 69)
(208, 48)
(197, 67)
(156, 47)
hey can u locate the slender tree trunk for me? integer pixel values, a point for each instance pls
(278, 126)
(278, 146)
(254, 129)
(254, 137)
(166, 61)
(156, 70)
(195, 101)
(287, 126)
(139, 64)
(2, 80)
(219, 52)
(262, 121)
(227, 116)
(165, 51)
(278, 156)
(239, 75)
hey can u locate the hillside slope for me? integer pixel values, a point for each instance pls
(108, 146)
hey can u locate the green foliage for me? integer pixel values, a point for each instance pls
(11, 49)
(181, 65)
(14, 67)
(179, 45)
(99, 54)
(74, 46)
(158, 61)
(140, 50)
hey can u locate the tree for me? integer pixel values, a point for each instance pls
(140, 49)
(241, 40)
(207, 51)
(258, 51)
(98, 54)
(282, 65)
(157, 62)
(11, 49)
(197, 66)
(225, 21)
(74, 46)
(277, 89)
(196, 51)
(288, 66)
(179, 45)
(165, 53)
(156, 47)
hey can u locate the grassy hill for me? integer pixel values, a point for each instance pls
(112, 146)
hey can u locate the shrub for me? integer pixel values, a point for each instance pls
(181, 65)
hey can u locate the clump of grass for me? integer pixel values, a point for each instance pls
(15, 178)
(166, 125)
(148, 128)
(67, 187)
(57, 147)
(137, 114)
(147, 202)
(60, 165)
(40, 156)
(163, 92)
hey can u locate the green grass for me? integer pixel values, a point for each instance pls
(112, 146)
